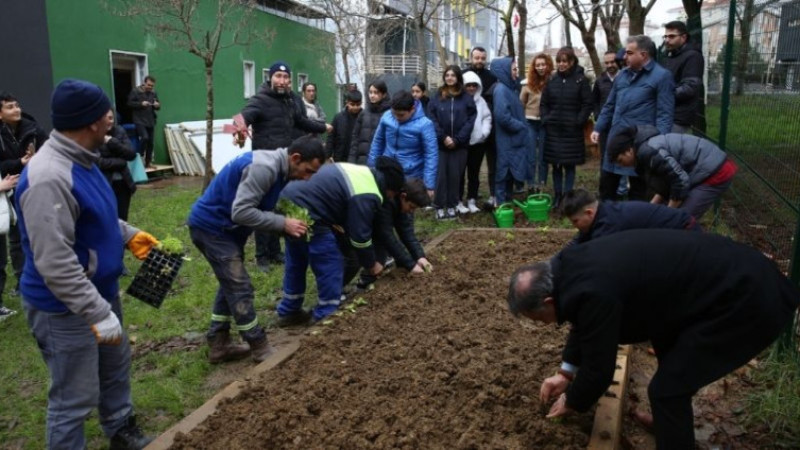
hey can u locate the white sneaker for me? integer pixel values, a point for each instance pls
(472, 207)
(461, 208)
(5, 313)
(451, 213)
(440, 214)
(491, 203)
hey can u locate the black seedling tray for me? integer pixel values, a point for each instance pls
(155, 277)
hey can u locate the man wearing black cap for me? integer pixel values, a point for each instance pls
(143, 102)
(338, 145)
(73, 244)
(273, 115)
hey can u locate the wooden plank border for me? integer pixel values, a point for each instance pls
(607, 428)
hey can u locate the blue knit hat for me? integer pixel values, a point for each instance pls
(76, 104)
(279, 66)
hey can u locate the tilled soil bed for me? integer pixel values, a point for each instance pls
(434, 361)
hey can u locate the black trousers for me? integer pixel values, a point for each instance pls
(123, 194)
(145, 143)
(474, 160)
(450, 173)
(673, 418)
(609, 182)
(268, 247)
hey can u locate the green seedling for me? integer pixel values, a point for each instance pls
(360, 301)
(327, 322)
(316, 332)
(510, 236)
(171, 245)
(293, 211)
(351, 307)
(544, 229)
(444, 258)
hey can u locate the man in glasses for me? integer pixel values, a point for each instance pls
(687, 67)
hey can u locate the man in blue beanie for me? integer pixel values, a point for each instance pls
(73, 244)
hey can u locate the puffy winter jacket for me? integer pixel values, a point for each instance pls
(114, 157)
(483, 120)
(512, 136)
(411, 143)
(565, 107)
(274, 117)
(687, 67)
(404, 247)
(453, 117)
(339, 140)
(600, 91)
(14, 144)
(364, 130)
(685, 161)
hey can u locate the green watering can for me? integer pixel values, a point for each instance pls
(536, 207)
(504, 215)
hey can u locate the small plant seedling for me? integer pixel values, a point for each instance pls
(171, 245)
(491, 243)
(444, 258)
(316, 332)
(351, 307)
(293, 211)
(360, 301)
(327, 322)
(510, 236)
(544, 229)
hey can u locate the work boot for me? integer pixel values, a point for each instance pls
(261, 350)
(299, 318)
(130, 437)
(222, 349)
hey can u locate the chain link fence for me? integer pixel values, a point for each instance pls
(753, 112)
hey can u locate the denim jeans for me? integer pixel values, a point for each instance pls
(560, 172)
(326, 261)
(536, 165)
(233, 304)
(83, 375)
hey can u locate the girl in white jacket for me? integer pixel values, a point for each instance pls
(477, 148)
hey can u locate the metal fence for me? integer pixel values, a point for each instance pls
(753, 111)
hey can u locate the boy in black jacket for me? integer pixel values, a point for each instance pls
(338, 143)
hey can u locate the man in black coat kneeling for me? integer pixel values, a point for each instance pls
(706, 303)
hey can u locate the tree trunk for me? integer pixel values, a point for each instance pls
(522, 9)
(209, 121)
(567, 32)
(745, 27)
(419, 32)
(509, 36)
(694, 21)
(609, 20)
(636, 17)
(589, 42)
(346, 64)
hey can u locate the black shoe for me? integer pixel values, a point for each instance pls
(557, 200)
(130, 437)
(298, 319)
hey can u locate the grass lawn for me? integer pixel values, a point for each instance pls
(170, 375)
